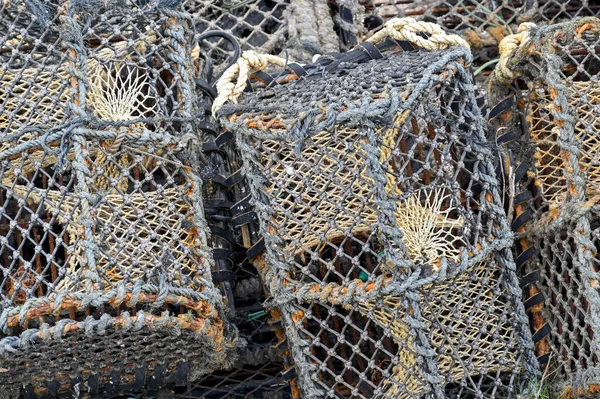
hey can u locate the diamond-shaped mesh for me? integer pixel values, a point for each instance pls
(263, 370)
(105, 264)
(386, 247)
(551, 136)
(483, 23)
(299, 28)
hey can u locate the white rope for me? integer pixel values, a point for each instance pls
(409, 28)
(248, 63)
(510, 43)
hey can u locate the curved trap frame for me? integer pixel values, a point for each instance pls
(545, 96)
(105, 264)
(339, 177)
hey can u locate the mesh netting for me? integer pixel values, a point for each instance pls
(263, 368)
(483, 23)
(105, 264)
(386, 248)
(546, 88)
(300, 28)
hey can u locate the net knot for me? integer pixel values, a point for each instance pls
(248, 63)
(409, 29)
(507, 46)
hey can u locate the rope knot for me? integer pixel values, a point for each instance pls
(507, 46)
(248, 63)
(408, 29)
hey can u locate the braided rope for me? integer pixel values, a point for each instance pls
(409, 28)
(506, 48)
(249, 62)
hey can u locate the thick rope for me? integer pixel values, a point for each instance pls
(506, 48)
(248, 63)
(409, 28)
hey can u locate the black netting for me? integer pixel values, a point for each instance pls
(546, 89)
(386, 248)
(105, 263)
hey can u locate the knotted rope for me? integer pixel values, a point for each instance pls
(509, 44)
(397, 28)
(408, 29)
(248, 63)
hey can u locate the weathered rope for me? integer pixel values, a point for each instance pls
(249, 62)
(507, 46)
(409, 28)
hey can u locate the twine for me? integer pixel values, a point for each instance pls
(507, 46)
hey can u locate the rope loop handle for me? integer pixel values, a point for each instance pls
(506, 48)
(397, 28)
(248, 63)
(409, 28)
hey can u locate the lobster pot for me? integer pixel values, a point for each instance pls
(378, 205)
(302, 28)
(105, 260)
(547, 90)
(483, 23)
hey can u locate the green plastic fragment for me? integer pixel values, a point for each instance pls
(363, 276)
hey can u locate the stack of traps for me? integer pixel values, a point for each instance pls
(546, 91)
(386, 249)
(105, 265)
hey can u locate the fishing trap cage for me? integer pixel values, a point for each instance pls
(105, 264)
(483, 23)
(545, 97)
(386, 248)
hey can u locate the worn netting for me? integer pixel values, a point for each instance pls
(546, 91)
(105, 263)
(262, 370)
(483, 23)
(386, 248)
(300, 29)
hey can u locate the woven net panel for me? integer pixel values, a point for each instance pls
(258, 25)
(263, 367)
(483, 23)
(549, 157)
(349, 210)
(553, 158)
(299, 29)
(261, 370)
(106, 266)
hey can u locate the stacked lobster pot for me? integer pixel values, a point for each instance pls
(546, 91)
(105, 263)
(483, 23)
(386, 247)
